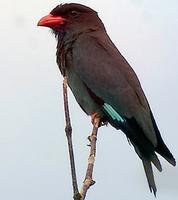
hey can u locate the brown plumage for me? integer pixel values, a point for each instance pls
(103, 82)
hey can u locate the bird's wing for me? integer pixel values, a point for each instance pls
(107, 74)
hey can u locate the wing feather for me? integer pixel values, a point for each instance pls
(105, 71)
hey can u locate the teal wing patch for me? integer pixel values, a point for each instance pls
(112, 113)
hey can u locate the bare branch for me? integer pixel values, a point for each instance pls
(92, 138)
(89, 173)
(68, 130)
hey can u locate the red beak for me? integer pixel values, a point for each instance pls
(51, 21)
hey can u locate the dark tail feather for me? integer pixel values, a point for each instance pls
(149, 174)
(154, 159)
(162, 148)
(148, 168)
(143, 147)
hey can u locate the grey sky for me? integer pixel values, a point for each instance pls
(33, 151)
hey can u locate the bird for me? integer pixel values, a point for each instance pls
(103, 82)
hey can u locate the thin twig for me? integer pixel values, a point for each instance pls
(89, 173)
(68, 130)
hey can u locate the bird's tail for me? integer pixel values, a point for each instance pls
(143, 147)
(148, 168)
(161, 148)
(149, 174)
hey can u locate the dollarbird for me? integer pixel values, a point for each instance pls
(103, 83)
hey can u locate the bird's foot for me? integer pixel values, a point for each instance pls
(94, 118)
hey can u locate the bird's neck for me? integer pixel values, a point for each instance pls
(65, 44)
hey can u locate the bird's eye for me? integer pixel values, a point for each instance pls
(74, 13)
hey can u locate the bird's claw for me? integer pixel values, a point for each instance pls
(94, 118)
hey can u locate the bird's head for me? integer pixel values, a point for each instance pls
(72, 19)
